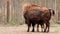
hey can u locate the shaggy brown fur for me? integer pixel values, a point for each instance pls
(35, 14)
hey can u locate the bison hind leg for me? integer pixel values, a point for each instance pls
(42, 27)
(47, 27)
(37, 27)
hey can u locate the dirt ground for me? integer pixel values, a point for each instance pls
(22, 29)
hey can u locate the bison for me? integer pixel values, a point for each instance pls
(35, 14)
(45, 20)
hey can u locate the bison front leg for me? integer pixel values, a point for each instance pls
(28, 27)
(28, 24)
(33, 25)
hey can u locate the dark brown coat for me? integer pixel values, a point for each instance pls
(35, 14)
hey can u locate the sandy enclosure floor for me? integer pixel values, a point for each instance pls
(22, 29)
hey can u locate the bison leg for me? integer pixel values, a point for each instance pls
(28, 27)
(42, 27)
(47, 27)
(33, 25)
(37, 27)
(28, 24)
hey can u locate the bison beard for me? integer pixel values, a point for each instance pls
(37, 15)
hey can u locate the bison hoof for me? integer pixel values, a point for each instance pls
(32, 31)
(27, 31)
(45, 31)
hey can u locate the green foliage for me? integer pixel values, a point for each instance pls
(15, 22)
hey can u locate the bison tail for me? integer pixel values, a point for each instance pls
(52, 12)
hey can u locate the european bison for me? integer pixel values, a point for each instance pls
(45, 20)
(35, 14)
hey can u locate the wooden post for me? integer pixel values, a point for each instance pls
(8, 10)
